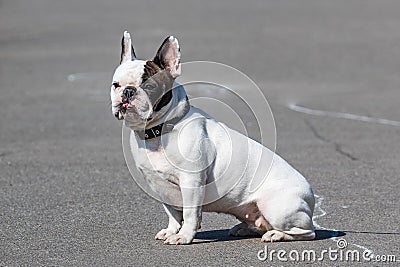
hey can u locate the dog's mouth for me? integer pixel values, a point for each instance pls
(127, 105)
(122, 108)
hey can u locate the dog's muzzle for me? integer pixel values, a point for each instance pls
(127, 95)
(129, 92)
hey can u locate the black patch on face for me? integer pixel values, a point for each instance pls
(150, 69)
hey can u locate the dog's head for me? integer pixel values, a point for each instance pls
(142, 88)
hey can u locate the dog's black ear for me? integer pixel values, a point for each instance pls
(169, 56)
(127, 51)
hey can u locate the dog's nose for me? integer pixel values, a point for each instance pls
(129, 91)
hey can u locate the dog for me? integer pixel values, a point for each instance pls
(196, 164)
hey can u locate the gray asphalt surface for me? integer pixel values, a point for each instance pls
(66, 196)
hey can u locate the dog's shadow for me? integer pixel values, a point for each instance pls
(222, 236)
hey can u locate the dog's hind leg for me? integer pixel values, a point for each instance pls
(276, 235)
(290, 218)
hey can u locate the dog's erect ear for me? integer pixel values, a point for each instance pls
(127, 52)
(169, 56)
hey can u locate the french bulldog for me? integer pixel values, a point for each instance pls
(197, 164)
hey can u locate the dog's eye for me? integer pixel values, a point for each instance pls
(149, 87)
(116, 85)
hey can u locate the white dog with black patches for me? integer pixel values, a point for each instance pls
(189, 158)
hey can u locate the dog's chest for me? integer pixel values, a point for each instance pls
(154, 161)
(157, 170)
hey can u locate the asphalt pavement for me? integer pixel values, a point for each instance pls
(66, 195)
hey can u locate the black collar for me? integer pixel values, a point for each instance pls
(164, 127)
(153, 132)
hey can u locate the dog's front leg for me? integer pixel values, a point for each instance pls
(174, 223)
(192, 188)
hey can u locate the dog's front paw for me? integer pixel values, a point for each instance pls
(178, 239)
(165, 233)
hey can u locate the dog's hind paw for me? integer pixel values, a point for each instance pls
(275, 236)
